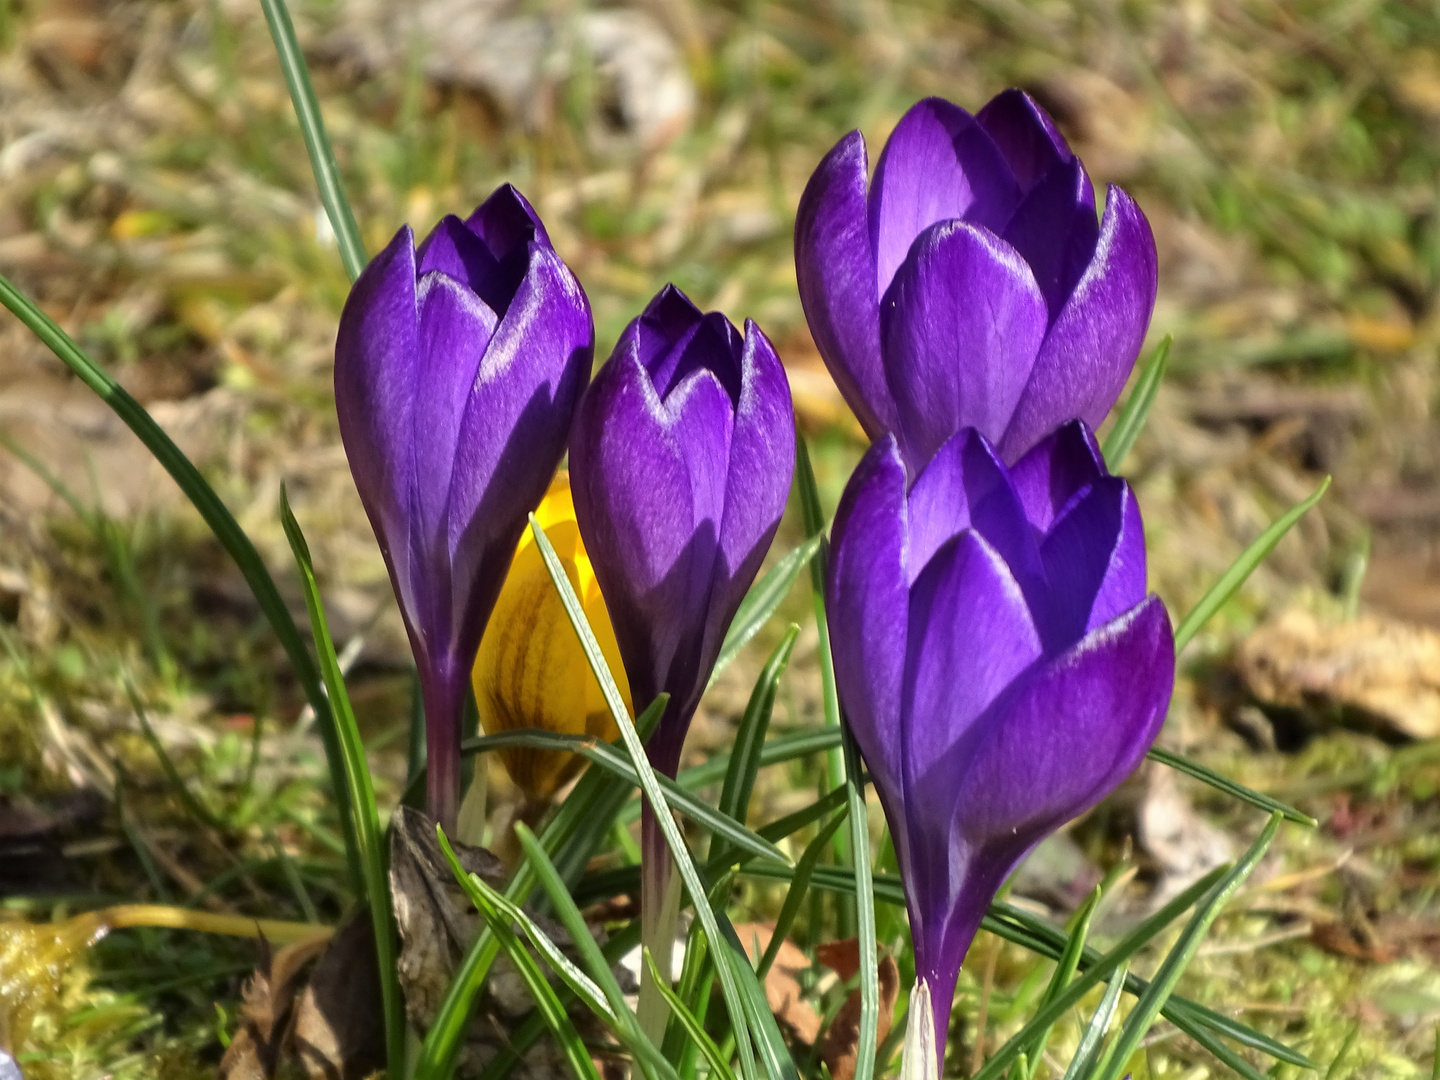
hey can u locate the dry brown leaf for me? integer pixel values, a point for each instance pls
(1383, 670)
(269, 997)
(782, 985)
(339, 1028)
(842, 1041)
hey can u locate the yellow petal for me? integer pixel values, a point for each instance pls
(531, 671)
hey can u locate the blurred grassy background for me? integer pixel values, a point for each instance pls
(156, 199)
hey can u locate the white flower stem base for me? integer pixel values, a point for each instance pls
(659, 915)
(918, 1061)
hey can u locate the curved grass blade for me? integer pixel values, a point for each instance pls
(1084, 1057)
(718, 1065)
(1242, 568)
(1137, 408)
(447, 1034)
(1163, 984)
(1230, 787)
(541, 992)
(774, 1051)
(683, 863)
(1064, 971)
(761, 601)
(750, 736)
(317, 142)
(222, 523)
(795, 895)
(607, 757)
(361, 799)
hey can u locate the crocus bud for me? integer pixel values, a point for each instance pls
(531, 671)
(681, 461)
(998, 660)
(458, 367)
(972, 285)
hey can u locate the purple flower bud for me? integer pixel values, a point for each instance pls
(972, 285)
(458, 368)
(998, 661)
(680, 465)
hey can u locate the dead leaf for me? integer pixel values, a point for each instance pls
(1382, 670)
(842, 1041)
(269, 995)
(782, 985)
(339, 1028)
(1182, 845)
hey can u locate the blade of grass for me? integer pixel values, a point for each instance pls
(1242, 568)
(607, 757)
(683, 863)
(718, 1066)
(761, 601)
(864, 909)
(1230, 787)
(196, 809)
(774, 1051)
(1064, 972)
(446, 1036)
(1163, 984)
(1137, 408)
(795, 895)
(750, 736)
(541, 992)
(1084, 1056)
(222, 523)
(317, 142)
(361, 798)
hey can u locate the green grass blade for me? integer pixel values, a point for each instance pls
(864, 910)
(221, 522)
(317, 143)
(196, 809)
(609, 758)
(541, 992)
(361, 799)
(442, 1044)
(1163, 984)
(1084, 1058)
(1230, 787)
(750, 736)
(1065, 968)
(812, 516)
(1242, 568)
(774, 1051)
(795, 895)
(683, 863)
(719, 1067)
(1137, 408)
(761, 601)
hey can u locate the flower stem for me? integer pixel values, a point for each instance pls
(659, 915)
(920, 1060)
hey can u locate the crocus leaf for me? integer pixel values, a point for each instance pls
(718, 1066)
(1229, 787)
(1163, 984)
(317, 142)
(761, 602)
(576, 612)
(541, 992)
(1137, 407)
(1096, 1029)
(361, 798)
(1241, 569)
(795, 895)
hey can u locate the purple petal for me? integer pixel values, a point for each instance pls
(376, 370)
(667, 321)
(513, 434)
(965, 486)
(762, 457)
(1055, 230)
(835, 268)
(938, 165)
(1095, 558)
(1026, 136)
(1066, 735)
(455, 329)
(961, 326)
(867, 611)
(507, 222)
(451, 248)
(713, 345)
(1093, 343)
(1054, 470)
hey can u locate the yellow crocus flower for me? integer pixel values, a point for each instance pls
(531, 671)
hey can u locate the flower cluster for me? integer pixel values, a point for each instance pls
(997, 655)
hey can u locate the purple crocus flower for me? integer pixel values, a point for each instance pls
(972, 285)
(680, 465)
(998, 660)
(458, 368)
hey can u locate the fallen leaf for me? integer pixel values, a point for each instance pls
(1183, 847)
(339, 1028)
(782, 985)
(839, 1049)
(1383, 671)
(268, 998)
